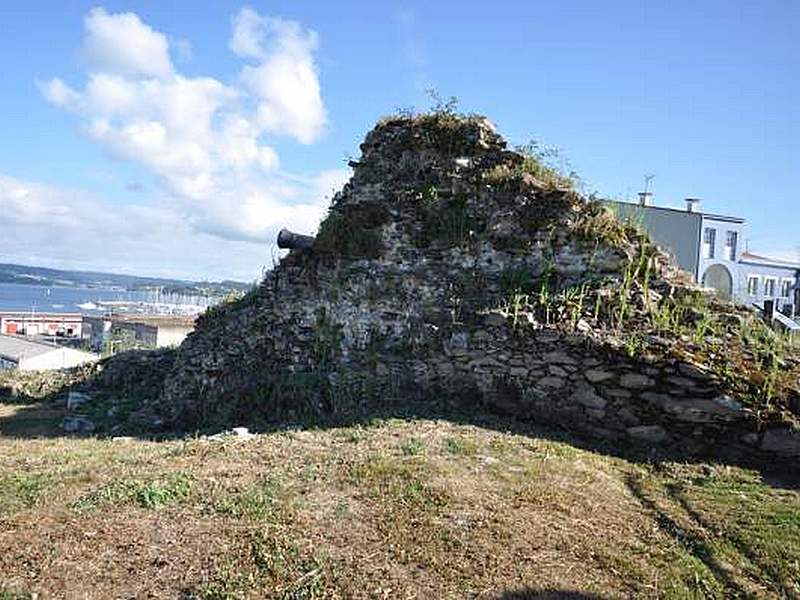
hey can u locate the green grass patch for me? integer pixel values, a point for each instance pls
(258, 502)
(7, 594)
(459, 446)
(760, 526)
(21, 490)
(397, 483)
(734, 534)
(269, 560)
(352, 435)
(158, 492)
(412, 446)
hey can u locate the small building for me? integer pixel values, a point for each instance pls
(20, 353)
(147, 331)
(63, 325)
(762, 279)
(709, 247)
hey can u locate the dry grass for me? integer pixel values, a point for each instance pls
(423, 509)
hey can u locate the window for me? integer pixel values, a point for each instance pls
(752, 285)
(786, 288)
(709, 242)
(769, 287)
(731, 239)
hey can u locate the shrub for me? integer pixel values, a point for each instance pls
(342, 234)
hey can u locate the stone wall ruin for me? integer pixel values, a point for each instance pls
(451, 270)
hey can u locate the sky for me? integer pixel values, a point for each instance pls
(175, 138)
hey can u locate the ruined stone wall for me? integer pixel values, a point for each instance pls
(410, 294)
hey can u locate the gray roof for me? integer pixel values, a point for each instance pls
(14, 348)
(755, 259)
(683, 211)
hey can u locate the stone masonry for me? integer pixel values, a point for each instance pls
(412, 292)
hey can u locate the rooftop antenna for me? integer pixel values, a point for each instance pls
(648, 177)
(646, 195)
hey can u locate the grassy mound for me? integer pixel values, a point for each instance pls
(393, 509)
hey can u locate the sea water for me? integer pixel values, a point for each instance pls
(53, 299)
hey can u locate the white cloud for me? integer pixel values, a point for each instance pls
(122, 44)
(327, 183)
(169, 127)
(69, 228)
(261, 211)
(59, 93)
(248, 34)
(205, 140)
(285, 80)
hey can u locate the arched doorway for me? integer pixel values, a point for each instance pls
(719, 278)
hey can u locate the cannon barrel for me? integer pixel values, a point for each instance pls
(289, 240)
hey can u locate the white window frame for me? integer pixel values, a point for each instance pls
(753, 290)
(731, 244)
(767, 282)
(709, 245)
(790, 282)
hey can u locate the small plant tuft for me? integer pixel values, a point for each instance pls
(413, 447)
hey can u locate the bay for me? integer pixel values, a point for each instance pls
(41, 299)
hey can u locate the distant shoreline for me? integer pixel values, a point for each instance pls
(14, 274)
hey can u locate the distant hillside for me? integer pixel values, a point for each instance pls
(22, 274)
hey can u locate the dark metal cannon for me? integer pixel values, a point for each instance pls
(289, 240)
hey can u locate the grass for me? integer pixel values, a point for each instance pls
(538, 161)
(265, 560)
(397, 482)
(257, 502)
(451, 224)
(9, 595)
(157, 492)
(459, 446)
(412, 446)
(387, 509)
(20, 490)
(727, 516)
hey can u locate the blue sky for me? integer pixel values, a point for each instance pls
(102, 166)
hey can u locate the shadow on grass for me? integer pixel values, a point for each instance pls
(37, 418)
(136, 377)
(691, 542)
(31, 418)
(529, 594)
(774, 576)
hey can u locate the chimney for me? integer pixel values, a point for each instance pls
(693, 205)
(645, 198)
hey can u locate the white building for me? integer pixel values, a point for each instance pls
(149, 331)
(710, 248)
(63, 325)
(25, 355)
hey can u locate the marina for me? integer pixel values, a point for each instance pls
(93, 301)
